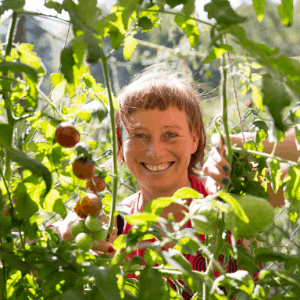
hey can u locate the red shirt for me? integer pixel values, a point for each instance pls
(197, 261)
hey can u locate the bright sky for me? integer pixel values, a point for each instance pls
(38, 6)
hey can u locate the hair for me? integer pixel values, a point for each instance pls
(159, 87)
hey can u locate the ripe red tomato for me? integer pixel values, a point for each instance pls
(95, 184)
(91, 204)
(67, 135)
(78, 209)
(83, 168)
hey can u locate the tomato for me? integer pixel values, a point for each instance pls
(249, 103)
(100, 235)
(259, 212)
(95, 184)
(83, 168)
(78, 209)
(78, 227)
(84, 241)
(90, 204)
(204, 216)
(93, 223)
(67, 135)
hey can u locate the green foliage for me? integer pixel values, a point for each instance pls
(35, 263)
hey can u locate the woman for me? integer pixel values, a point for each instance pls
(161, 139)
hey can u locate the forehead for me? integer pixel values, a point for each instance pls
(155, 118)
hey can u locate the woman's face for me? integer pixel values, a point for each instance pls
(158, 149)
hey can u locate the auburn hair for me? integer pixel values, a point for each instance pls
(159, 87)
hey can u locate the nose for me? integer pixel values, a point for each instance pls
(155, 148)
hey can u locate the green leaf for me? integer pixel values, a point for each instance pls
(15, 5)
(292, 188)
(174, 3)
(276, 98)
(156, 206)
(67, 63)
(59, 91)
(185, 193)
(53, 203)
(129, 47)
(141, 219)
(34, 165)
(275, 173)
(216, 52)
(285, 12)
(152, 257)
(55, 5)
(19, 68)
(116, 37)
(25, 206)
(259, 7)
(151, 283)
(297, 136)
(245, 259)
(223, 13)
(190, 29)
(145, 23)
(189, 8)
(229, 198)
(257, 97)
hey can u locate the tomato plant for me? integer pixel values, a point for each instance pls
(34, 262)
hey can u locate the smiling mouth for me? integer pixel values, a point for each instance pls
(154, 168)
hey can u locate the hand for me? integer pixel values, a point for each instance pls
(63, 229)
(216, 167)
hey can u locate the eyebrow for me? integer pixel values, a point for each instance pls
(167, 126)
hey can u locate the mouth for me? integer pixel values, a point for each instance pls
(160, 169)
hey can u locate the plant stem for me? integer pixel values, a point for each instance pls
(6, 97)
(114, 144)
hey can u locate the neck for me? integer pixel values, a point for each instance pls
(147, 195)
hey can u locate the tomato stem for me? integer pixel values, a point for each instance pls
(114, 144)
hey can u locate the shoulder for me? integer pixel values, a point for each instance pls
(127, 204)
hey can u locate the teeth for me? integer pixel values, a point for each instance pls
(155, 168)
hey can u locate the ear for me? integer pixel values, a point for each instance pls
(195, 139)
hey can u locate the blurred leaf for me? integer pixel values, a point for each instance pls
(275, 173)
(34, 165)
(285, 12)
(245, 259)
(129, 47)
(276, 98)
(292, 187)
(116, 37)
(259, 6)
(190, 28)
(229, 198)
(216, 52)
(16, 67)
(55, 5)
(257, 97)
(297, 137)
(151, 283)
(58, 91)
(89, 80)
(223, 13)
(53, 203)
(67, 63)
(185, 193)
(174, 3)
(15, 5)
(141, 219)
(156, 206)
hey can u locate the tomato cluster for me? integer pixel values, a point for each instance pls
(88, 208)
(89, 228)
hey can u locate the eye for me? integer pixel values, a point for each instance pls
(172, 134)
(139, 135)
